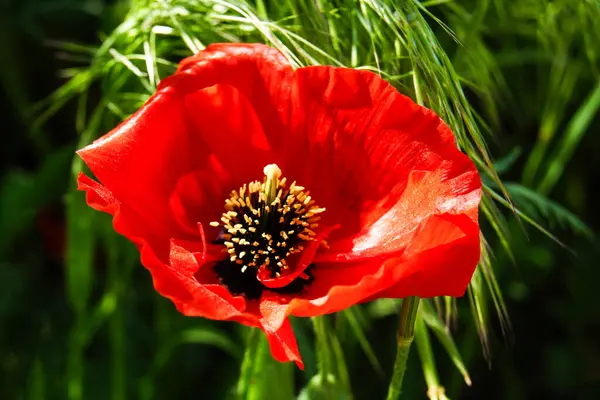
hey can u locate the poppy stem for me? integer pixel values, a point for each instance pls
(252, 344)
(323, 347)
(405, 336)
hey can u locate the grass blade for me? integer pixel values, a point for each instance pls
(564, 150)
(435, 391)
(433, 322)
(358, 331)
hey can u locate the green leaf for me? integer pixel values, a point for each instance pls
(303, 330)
(15, 212)
(340, 363)
(485, 266)
(81, 235)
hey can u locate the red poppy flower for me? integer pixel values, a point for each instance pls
(255, 191)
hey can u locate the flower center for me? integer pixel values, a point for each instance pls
(263, 224)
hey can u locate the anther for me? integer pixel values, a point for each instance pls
(265, 222)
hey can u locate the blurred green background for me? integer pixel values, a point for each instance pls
(530, 70)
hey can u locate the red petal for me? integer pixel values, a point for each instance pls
(426, 245)
(172, 263)
(199, 196)
(444, 270)
(226, 96)
(226, 120)
(354, 141)
(175, 278)
(209, 300)
(426, 194)
(439, 261)
(141, 160)
(261, 74)
(283, 343)
(215, 302)
(153, 248)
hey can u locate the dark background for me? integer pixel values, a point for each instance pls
(551, 291)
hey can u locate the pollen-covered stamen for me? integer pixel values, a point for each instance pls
(266, 222)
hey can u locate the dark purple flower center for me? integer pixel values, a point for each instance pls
(263, 224)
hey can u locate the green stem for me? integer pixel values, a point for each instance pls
(435, 391)
(75, 362)
(323, 347)
(264, 372)
(406, 334)
(246, 373)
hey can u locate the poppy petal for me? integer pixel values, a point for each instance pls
(226, 120)
(261, 74)
(135, 228)
(425, 195)
(439, 262)
(141, 160)
(445, 269)
(283, 342)
(209, 300)
(199, 196)
(355, 141)
(173, 277)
